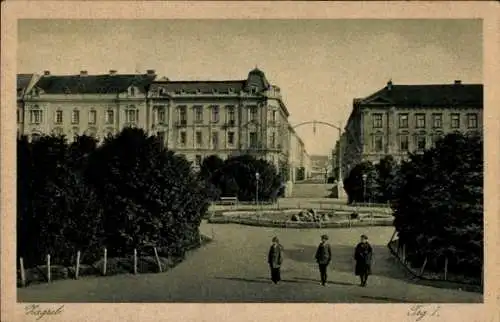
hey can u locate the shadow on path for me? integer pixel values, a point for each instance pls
(256, 280)
(300, 280)
(316, 281)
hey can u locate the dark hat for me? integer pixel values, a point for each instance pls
(364, 237)
(325, 237)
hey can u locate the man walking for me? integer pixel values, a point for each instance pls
(323, 258)
(363, 255)
(275, 259)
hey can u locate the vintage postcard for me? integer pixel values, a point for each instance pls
(194, 160)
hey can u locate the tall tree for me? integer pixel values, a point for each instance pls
(438, 206)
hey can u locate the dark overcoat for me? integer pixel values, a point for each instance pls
(275, 256)
(323, 254)
(363, 255)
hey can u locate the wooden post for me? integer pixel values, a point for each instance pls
(135, 261)
(104, 266)
(158, 260)
(423, 267)
(446, 268)
(77, 269)
(23, 273)
(48, 268)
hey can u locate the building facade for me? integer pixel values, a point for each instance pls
(320, 167)
(227, 118)
(193, 118)
(300, 164)
(95, 105)
(399, 119)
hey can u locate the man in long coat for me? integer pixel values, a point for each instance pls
(363, 254)
(323, 258)
(275, 259)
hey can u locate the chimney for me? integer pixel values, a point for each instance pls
(389, 84)
(83, 73)
(112, 72)
(151, 72)
(458, 82)
(46, 72)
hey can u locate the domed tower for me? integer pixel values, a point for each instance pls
(256, 81)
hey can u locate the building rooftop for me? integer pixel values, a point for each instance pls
(256, 79)
(200, 86)
(426, 95)
(93, 84)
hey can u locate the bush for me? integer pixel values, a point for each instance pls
(150, 196)
(57, 212)
(236, 177)
(362, 191)
(129, 193)
(438, 205)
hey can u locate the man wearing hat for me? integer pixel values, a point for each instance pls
(275, 259)
(323, 258)
(363, 256)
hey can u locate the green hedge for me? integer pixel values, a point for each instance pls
(235, 177)
(130, 192)
(438, 206)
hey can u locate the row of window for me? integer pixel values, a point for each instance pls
(132, 115)
(404, 142)
(215, 139)
(215, 114)
(36, 116)
(420, 120)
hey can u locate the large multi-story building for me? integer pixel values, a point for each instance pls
(194, 118)
(200, 118)
(399, 119)
(95, 105)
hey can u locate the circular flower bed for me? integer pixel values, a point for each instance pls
(298, 218)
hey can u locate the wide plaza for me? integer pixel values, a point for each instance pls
(233, 268)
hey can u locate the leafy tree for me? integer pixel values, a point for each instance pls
(387, 171)
(150, 195)
(237, 177)
(438, 205)
(359, 190)
(210, 166)
(57, 213)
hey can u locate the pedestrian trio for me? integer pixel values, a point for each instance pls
(363, 254)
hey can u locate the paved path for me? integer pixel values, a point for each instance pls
(233, 269)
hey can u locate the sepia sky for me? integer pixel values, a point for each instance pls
(320, 65)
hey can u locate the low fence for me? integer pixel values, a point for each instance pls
(265, 222)
(399, 252)
(138, 262)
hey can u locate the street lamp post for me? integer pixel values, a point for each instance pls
(364, 187)
(257, 175)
